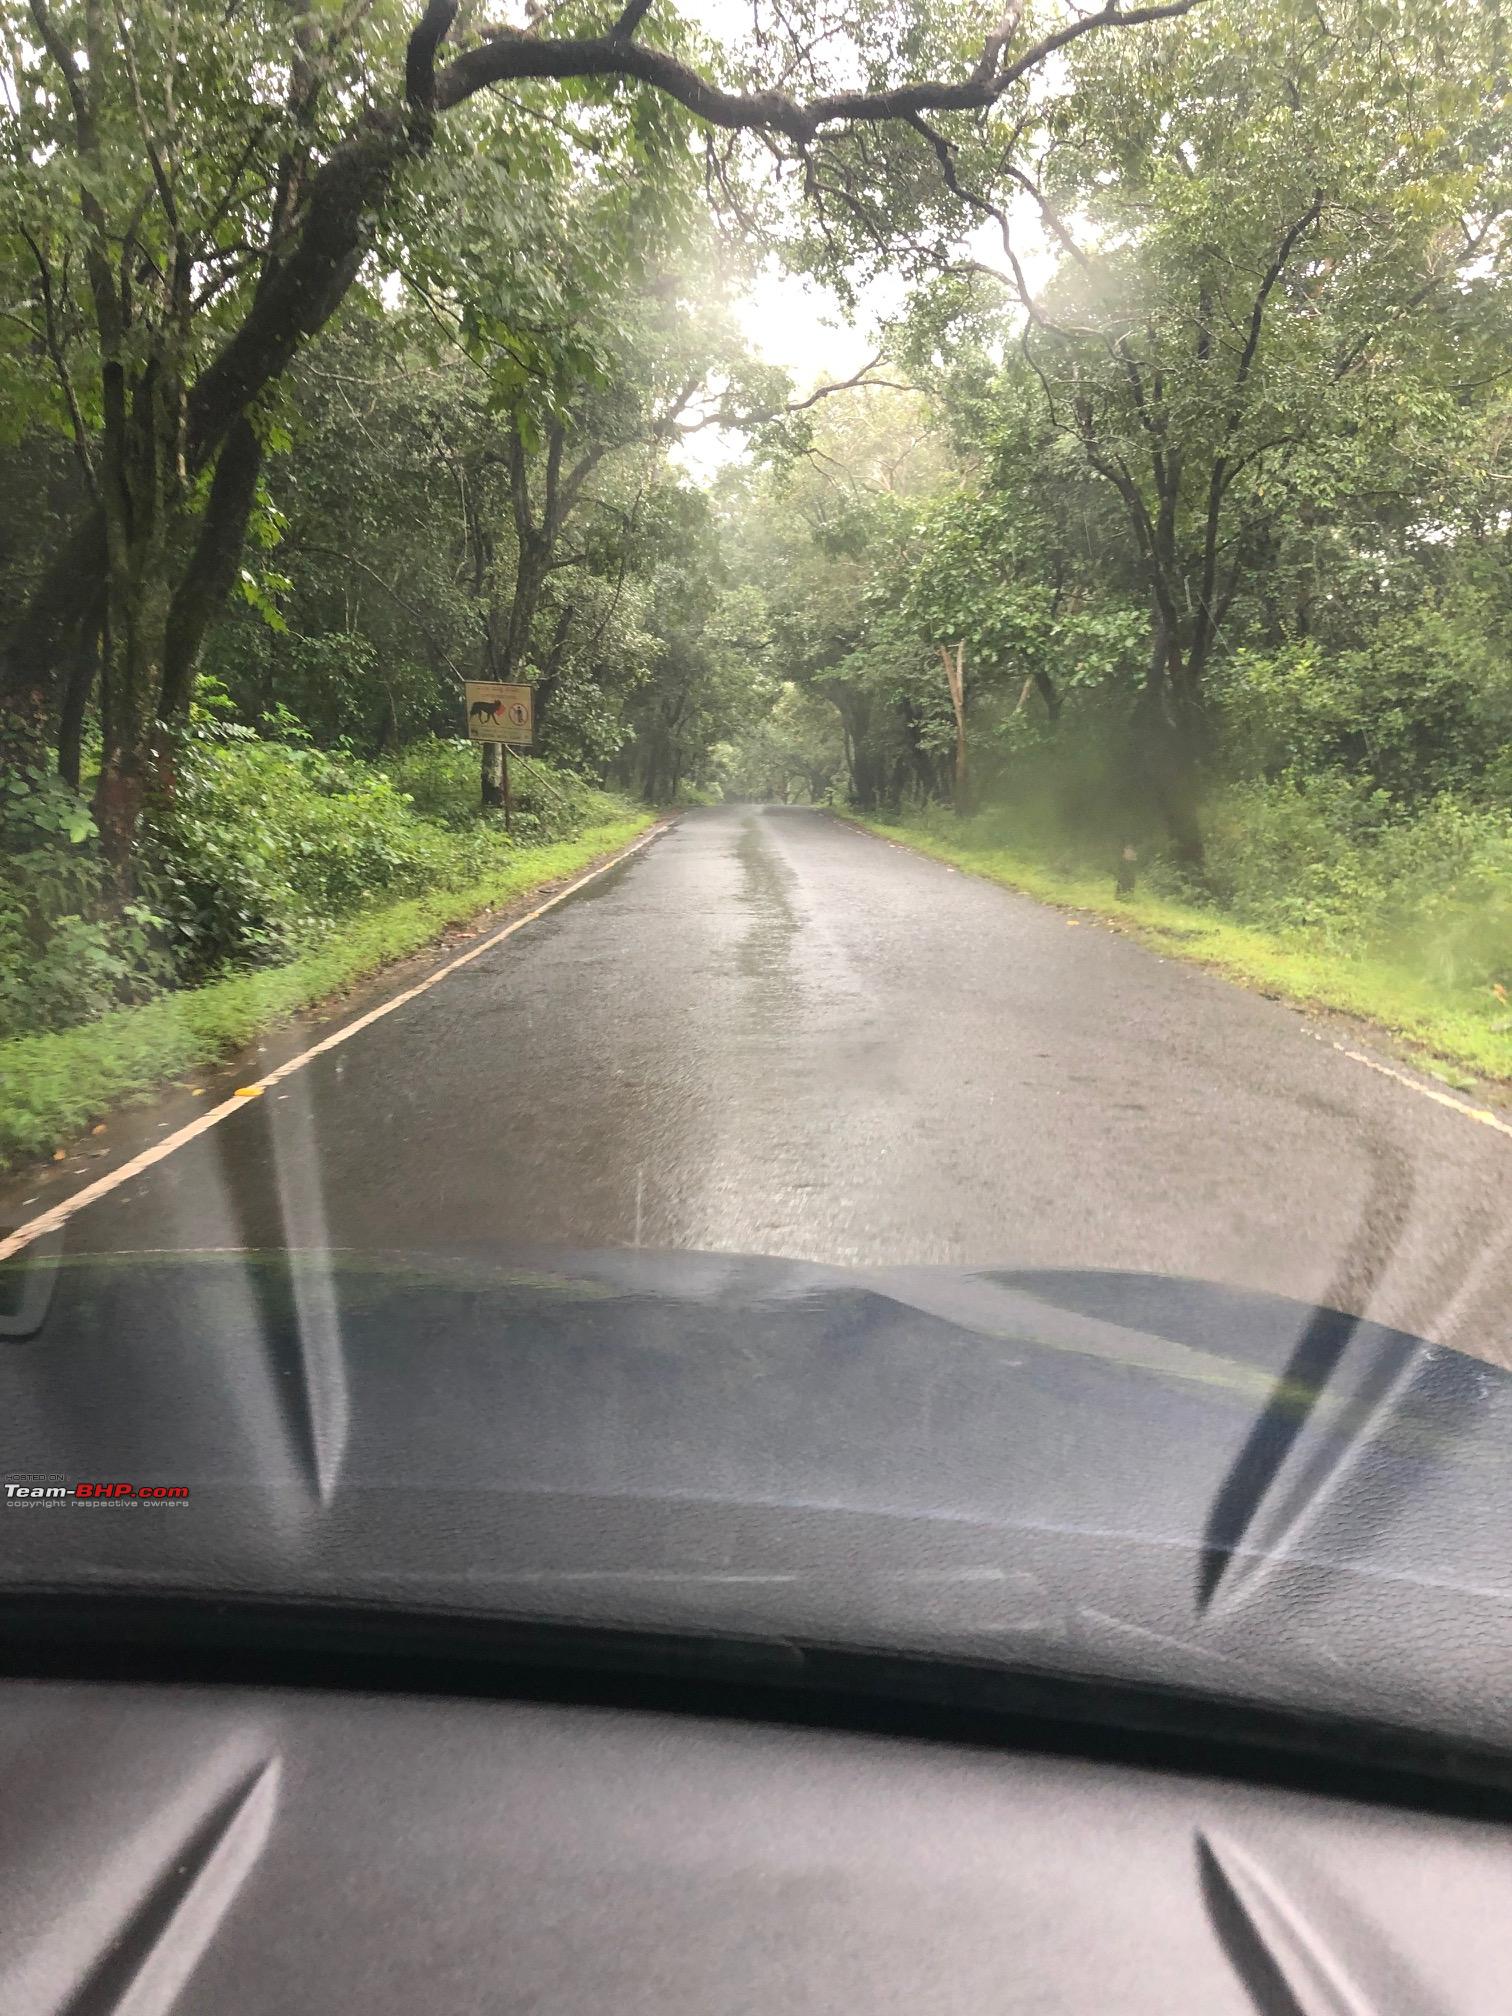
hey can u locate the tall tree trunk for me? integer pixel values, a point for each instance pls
(867, 780)
(138, 478)
(866, 777)
(133, 672)
(550, 673)
(1167, 743)
(211, 569)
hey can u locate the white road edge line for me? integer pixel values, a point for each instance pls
(54, 1220)
(1481, 1113)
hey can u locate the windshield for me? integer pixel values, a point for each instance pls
(874, 641)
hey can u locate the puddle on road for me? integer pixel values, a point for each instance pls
(764, 954)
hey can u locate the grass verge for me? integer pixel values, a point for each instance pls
(53, 1086)
(1453, 1031)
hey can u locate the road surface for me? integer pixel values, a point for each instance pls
(770, 1033)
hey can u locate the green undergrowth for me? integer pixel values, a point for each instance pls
(55, 1084)
(1456, 1020)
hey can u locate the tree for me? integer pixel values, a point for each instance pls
(792, 753)
(827, 534)
(198, 193)
(1276, 235)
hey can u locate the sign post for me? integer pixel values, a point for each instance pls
(498, 711)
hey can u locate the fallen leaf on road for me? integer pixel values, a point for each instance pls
(60, 1155)
(249, 1091)
(98, 1130)
(199, 1092)
(1072, 922)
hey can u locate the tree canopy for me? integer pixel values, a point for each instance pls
(351, 351)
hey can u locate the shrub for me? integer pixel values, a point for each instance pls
(442, 779)
(1294, 853)
(264, 846)
(1445, 880)
(1333, 857)
(61, 960)
(262, 849)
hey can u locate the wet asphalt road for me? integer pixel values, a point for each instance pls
(772, 1034)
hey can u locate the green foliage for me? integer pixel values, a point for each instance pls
(794, 755)
(1403, 982)
(53, 1086)
(262, 846)
(1221, 517)
(1421, 703)
(260, 852)
(60, 961)
(440, 780)
(1323, 855)
(1213, 487)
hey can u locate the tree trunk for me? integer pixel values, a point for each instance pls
(867, 780)
(1180, 801)
(81, 679)
(1167, 744)
(493, 775)
(42, 643)
(211, 570)
(550, 672)
(133, 671)
(150, 439)
(1048, 691)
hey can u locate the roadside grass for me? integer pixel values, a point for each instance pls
(1452, 1030)
(55, 1085)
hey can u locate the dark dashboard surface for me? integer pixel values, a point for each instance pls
(258, 1751)
(258, 1853)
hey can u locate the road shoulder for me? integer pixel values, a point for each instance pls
(96, 1095)
(1357, 1001)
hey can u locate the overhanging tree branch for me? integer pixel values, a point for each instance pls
(324, 221)
(420, 56)
(510, 56)
(724, 416)
(352, 185)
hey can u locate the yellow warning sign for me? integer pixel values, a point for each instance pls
(498, 712)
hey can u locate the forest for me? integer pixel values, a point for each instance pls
(1160, 556)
